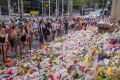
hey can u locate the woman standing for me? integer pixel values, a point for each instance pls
(62, 29)
(54, 29)
(23, 36)
(76, 24)
(2, 39)
(41, 35)
(85, 25)
(59, 28)
(45, 30)
(13, 39)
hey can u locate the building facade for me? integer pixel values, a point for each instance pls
(115, 13)
(29, 5)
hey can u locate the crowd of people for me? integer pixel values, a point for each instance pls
(17, 33)
(68, 49)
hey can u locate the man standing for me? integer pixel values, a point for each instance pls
(54, 29)
(66, 26)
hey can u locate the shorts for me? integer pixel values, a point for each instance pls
(23, 38)
(14, 42)
(72, 25)
(41, 39)
(2, 39)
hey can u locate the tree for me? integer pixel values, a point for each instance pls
(78, 2)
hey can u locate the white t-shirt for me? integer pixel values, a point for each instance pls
(42, 26)
(35, 25)
(54, 26)
(72, 22)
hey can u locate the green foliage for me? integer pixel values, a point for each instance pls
(3, 2)
(81, 2)
(78, 2)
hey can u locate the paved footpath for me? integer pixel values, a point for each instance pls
(13, 54)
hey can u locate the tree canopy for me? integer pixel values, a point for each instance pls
(80, 2)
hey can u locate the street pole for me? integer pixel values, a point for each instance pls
(22, 9)
(68, 6)
(49, 9)
(0, 10)
(0, 13)
(58, 12)
(103, 4)
(62, 9)
(103, 9)
(9, 8)
(18, 6)
(56, 9)
(97, 4)
(71, 7)
(42, 8)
